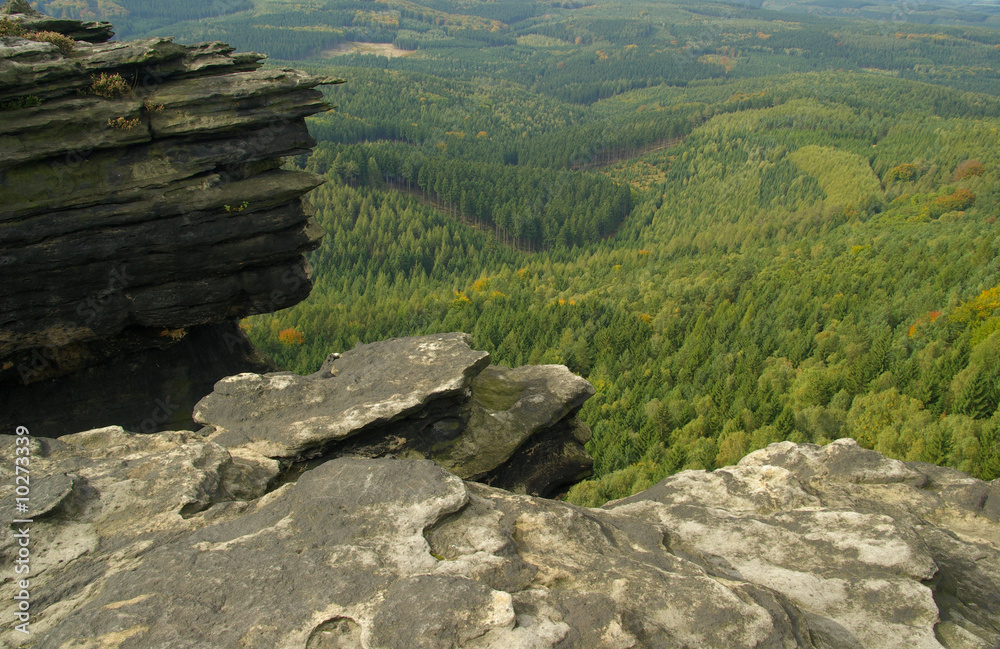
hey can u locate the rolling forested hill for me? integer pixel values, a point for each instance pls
(741, 223)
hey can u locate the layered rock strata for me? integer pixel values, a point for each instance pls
(142, 195)
(168, 540)
(430, 397)
(29, 19)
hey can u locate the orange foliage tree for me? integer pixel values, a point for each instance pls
(968, 168)
(291, 337)
(960, 199)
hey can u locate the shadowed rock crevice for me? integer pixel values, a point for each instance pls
(146, 381)
(964, 588)
(549, 463)
(415, 435)
(338, 633)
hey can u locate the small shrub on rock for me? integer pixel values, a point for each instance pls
(123, 123)
(109, 86)
(9, 27)
(21, 102)
(63, 42)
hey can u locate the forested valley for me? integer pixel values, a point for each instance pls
(743, 225)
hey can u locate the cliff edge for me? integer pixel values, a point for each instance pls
(168, 540)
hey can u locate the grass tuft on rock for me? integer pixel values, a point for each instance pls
(29, 101)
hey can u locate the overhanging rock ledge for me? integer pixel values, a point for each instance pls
(145, 209)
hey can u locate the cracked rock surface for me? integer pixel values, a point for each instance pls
(169, 541)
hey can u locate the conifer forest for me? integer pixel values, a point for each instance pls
(742, 222)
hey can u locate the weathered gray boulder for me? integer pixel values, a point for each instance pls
(508, 407)
(283, 415)
(166, 541)
(422, 397)
(875, 552)
(102, 498)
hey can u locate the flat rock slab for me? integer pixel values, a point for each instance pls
(101, 498)
(776, 552)
(120, 478)
(400, 553)
(287, 416)
(323, 548)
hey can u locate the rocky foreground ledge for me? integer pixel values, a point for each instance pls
(143, 201)
(170, 540)
(424, 397)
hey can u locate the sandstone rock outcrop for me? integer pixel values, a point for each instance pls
(140, 219)
(32, 20)
(168, 540)
(428, 397)
(143, 197)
